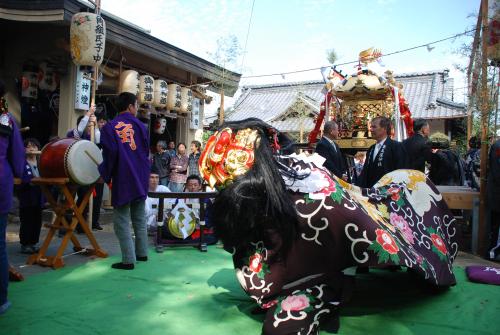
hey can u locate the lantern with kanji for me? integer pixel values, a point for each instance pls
(174, 97)
(129, 82)
(29, 83)
(160, 90)
(47, 77)
(88, 37)
(186, 100)
(146, 93)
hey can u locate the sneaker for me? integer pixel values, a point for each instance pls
(97, 227)
(4, 307)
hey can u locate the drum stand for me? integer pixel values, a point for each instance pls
(201, 196)
(60, 223)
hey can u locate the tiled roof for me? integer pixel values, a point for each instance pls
(429, 95)
(268, 102)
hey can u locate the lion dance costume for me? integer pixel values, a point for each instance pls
(297, 233)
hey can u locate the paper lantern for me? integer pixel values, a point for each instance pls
(29, 84)
(174, 97)
(47, 77)
(146, 83)
(129, 82)
(186, 100)
(88, 37)
(160, 90)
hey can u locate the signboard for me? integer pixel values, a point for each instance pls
(82, 90)
(195, 114)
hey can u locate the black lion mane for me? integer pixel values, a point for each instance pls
(256, 206)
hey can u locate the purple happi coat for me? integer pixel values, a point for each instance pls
(125, 144)
(11, 160)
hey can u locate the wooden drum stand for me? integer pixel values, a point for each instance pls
(60, 208)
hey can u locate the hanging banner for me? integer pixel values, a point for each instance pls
(195, 114)
(87, 39)
(82, 90)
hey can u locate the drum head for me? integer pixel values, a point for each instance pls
(82, 160)
(174, 227)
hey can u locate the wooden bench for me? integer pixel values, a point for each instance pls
(463, 197)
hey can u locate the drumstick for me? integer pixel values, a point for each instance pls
(22, 130)
(92, 158)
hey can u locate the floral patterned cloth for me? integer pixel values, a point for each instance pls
(403, 220)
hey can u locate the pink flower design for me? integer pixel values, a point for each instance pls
(401, 224)
(295, 303)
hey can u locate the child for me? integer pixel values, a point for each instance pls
(30, 201)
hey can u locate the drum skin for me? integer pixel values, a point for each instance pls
(52, 158)
(69, 158)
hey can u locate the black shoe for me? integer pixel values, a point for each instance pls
(97, 227)
(141, 258)
(122, 266)
(27, 249)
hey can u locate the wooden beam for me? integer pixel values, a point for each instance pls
(484, 128)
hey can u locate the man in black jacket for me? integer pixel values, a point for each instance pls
(418, 146)
(326, 147)
(383, 157)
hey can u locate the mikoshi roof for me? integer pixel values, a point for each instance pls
(429, 95)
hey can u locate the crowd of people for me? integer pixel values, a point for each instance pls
(442, 165)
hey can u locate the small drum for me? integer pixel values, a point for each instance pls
(69, 158)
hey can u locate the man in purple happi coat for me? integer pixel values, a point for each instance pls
(125, 145)
(11, 165)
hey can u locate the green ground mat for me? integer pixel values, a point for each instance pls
(183, 291)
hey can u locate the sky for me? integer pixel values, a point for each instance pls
(291, 35)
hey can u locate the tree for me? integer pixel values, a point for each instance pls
(226, 55)
(331, 56)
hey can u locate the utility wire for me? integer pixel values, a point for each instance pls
(246, 39)
(357, 61)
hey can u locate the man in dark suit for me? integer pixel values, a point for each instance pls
(384, 156)
(326, 147)
(418, 146)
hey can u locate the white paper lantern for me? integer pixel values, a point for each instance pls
(88, 37)
(160, 93)
(174, 97)
(146, 93)
(129, 82)
(47, 78)
(186, 100)
(29, 84)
